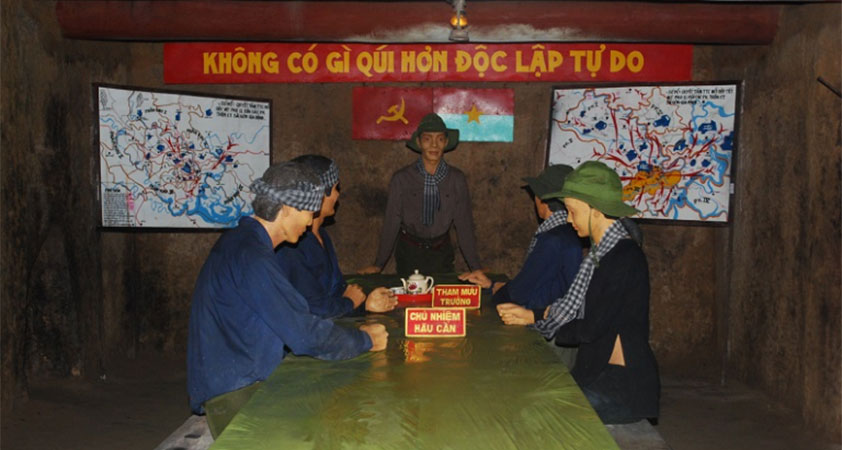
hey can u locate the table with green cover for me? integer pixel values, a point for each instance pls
(498, 387)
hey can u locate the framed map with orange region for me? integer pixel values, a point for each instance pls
(672, 144)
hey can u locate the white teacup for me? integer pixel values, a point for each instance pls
(398, 290)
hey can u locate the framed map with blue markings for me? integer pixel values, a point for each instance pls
(178, 160)
(672, 145)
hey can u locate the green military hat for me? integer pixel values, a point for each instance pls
(433, 123)
(549, 180)
(597, 185)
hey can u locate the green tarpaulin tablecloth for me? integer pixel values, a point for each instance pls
(498, 387)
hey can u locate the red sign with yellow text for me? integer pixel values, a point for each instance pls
(435, 322)
(456, 296)
(264, 62)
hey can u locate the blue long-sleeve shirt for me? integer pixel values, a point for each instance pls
(314, 271)
(245, 314)
(547, 272)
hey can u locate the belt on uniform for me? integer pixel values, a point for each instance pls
(429, 244)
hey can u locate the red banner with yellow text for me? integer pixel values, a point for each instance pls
(215, 62)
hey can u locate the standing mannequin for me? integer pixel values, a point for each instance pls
(426, 199)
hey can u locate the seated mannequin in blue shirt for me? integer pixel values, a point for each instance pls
(554, 254)
(311, 265)
(245, 315)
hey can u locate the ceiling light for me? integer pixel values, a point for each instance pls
(459, 22)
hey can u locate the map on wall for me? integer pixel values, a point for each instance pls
(672, 146)
(179, 161)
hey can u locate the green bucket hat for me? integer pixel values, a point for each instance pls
(433, 123)
(549, 180)
(597, 185)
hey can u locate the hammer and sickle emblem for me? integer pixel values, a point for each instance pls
(396, 114)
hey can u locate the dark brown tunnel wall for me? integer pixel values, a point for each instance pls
(784, 292)
(130, 291)
(75, 297)
(51, 293)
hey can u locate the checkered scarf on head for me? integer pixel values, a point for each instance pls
(556, 219)
(572, 305)
(330, 176)
(432, 199)
(301, 196)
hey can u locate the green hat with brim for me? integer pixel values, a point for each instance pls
(597, 185)
(549, 180)
(432, 123)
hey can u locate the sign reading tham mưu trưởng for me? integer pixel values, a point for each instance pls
(456, 296)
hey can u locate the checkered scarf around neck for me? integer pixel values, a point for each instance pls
(572, 305)
(301, 196)
(331, 176)
(556, 219)
(432, 199)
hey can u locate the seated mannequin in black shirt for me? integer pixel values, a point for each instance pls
(607, 312)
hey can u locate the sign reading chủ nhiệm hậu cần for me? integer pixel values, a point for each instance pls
(434, 322)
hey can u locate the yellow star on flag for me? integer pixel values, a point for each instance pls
(473, 114)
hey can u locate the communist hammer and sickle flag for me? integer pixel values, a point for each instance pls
(389, 113)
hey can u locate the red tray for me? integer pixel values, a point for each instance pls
(415, 299)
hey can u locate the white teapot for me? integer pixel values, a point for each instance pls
(417, 283)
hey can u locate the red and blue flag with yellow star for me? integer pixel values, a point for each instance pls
(480, 115)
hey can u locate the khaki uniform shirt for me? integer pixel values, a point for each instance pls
(406, 194)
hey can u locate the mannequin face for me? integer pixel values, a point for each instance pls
(578, 214)
(542, 209)
(329, 202)
(432, 145)
(293, 223)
